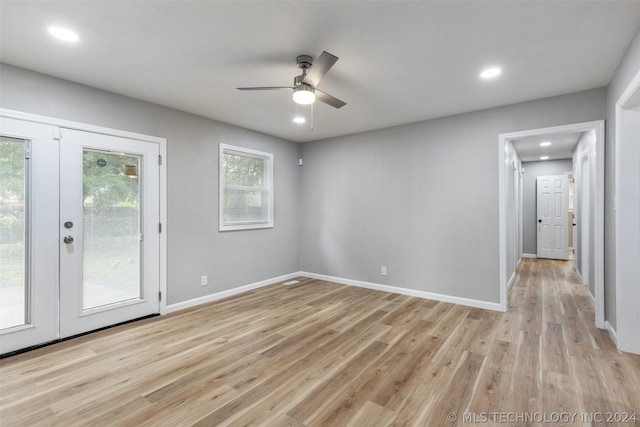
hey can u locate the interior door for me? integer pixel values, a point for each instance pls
(585, 219)
(28, 234)
(552, 209)
(109, 238)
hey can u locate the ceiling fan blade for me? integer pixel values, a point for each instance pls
(328, 99)
(265, 88)
(319, 68)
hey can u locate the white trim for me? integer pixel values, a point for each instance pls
(162, 143)
(612, 332)
(621, 314)
(529, 256)
(68, 124)
(502, 225)
(246, 152)
(598, 127)
(163, 234)
(404, 291)
(512, 279)
(228, 293)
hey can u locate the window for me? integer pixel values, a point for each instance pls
(246, 188)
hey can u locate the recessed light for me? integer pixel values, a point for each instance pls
(490, 73)
(299, 120)
(63, 34)
(544, 157)
(545, 144)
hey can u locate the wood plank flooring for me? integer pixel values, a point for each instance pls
(323, 354)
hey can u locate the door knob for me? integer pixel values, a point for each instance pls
(539, 220)
(68, 239)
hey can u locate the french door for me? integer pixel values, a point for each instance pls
(84, 252)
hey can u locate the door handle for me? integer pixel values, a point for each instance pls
(68, 239)
(539, 220)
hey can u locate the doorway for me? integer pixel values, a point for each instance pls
(505, 141)
(83, 249)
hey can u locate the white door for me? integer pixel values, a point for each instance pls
(79, 240)
(109, 240)
(28, 234)
(553, 208)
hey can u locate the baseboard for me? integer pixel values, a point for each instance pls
(591, 297)
(404, 291)
(350, 282)
(224, 294)
(528, 256)
(612, 332)
(511, 279)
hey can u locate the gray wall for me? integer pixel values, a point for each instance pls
(421, 199)
(529, 195)
(628, 68)
(195, 247)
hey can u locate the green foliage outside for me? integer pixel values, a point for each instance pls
(111, 197)
(243, 171)
(12, 189)
(244, 179)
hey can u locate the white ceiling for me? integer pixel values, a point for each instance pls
(400, 62)
(562, 146)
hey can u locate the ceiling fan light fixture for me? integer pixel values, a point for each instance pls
(304, 95)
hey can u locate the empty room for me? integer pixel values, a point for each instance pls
(319, 213)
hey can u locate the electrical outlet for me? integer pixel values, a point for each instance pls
(383, 270)
(203, 281)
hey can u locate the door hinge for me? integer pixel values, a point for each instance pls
(141, 237)
(159, 159)
(159, 295)
(159, 227)
(57, 134)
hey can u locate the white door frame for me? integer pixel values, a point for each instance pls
(626, 294)
(503, 139)
(162, 143)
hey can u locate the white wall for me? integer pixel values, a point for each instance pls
(532, 170)
(628, 68)
(195, 246)
(421, 199)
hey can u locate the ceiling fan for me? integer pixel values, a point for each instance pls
(304, 86)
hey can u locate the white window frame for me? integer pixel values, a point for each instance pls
(249, 225)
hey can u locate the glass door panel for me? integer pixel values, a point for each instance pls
(29, 205)
(109, 246)
(14, 251)
(112, 228)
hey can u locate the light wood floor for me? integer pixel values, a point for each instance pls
(324, 354)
